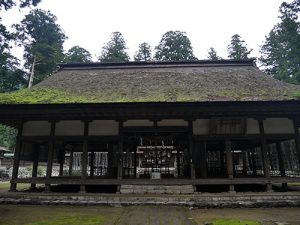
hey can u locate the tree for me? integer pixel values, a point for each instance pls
(7, 137)
(11, 77)
(8, 4)
(237, 49)
(143, 53)
(115, 49)
(280, 52)
(77, 54)
(174, 46)
(212, 54)
(42, 39)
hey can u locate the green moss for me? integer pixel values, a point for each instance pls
(235, 222)
(35, 96)
(71, 218)
(52, 96)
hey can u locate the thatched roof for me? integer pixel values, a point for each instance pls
(224, 80)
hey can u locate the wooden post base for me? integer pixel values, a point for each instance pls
(82, 189)
(269, 187)
(13, 187)
(231, 189)
(284, 187)
(32, 187)
(47, 188)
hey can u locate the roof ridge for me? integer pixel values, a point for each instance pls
(160, 64)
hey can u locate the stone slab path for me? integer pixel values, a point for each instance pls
(155, 215)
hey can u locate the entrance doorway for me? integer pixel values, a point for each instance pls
(155, 156)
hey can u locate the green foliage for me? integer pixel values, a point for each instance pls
(8, 4)
(143, 53)
(280, 52)
(77, 54)
(237, 49)
(115, 49)
(235, 222)
(7, 137)
(212, 54)
(42, 38)
(174, 46)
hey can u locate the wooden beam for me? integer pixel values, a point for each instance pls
(120, 151)
(191, 149)
(35, 164)
(264, 149)
(71, 163)
(50, 156)
(84, 158)
(229, 163)
(297, 140)
(17, 154)
(203, 159)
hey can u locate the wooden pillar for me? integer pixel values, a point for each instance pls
(254, 166)
(222, 160)
(61, 164)
(297, 140)
(229, 163)
(244, 152)
(203, 158)
(35, 165)
(281, 163)
(120, 151)
(191, 149)
(50, 157)
(84, 158)
(17, 154)
(135, 162)
(266, 162)
(178, 162)
(92, 164)
(71, 163)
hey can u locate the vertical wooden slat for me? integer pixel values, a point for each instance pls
(17, 154)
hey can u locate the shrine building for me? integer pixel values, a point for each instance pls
(171, 124)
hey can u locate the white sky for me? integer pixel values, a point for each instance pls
(207, 22)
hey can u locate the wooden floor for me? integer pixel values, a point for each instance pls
(102, 181)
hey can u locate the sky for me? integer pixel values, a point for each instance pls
(207, 23)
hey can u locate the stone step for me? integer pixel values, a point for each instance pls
(156, 189)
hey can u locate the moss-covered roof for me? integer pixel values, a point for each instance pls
(199, 81)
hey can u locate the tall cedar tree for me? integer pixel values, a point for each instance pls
(212, 54)
(115, 49)
(280, 53)
(77, 54)
(143, 53)
(237, 49)
(11, 77)
(174, 46)
(42, 39)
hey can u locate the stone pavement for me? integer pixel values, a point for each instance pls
(155, 215)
